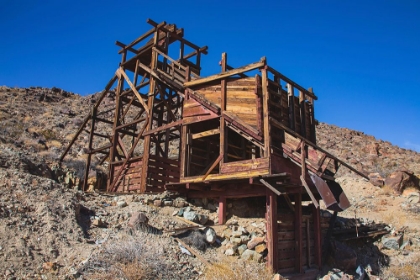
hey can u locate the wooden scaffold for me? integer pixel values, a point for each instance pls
(244, 132)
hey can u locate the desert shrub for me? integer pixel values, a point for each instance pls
(49, 134)
(54, 143)
(229, 268)
(407, 270)
(140, 256)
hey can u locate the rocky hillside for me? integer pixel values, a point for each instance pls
(365, 152)
(50, 230)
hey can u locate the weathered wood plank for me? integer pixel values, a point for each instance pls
(245, 165)
(205, 133)
(226, 74)
(232, 176)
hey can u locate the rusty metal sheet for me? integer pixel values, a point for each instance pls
(331, 192)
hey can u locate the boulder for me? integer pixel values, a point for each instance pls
(399, 180)
(413, 198)
(256, 240)
(137, 220)
(98, 223)
(392, 242)
(250, 255)
(260, 248)
(202, 219)
(191, 216)
(242, 249)
(210, 235)
(157, 203)
(235, 240)
(230, 252)
(179, 203)
(245, 239)
(376, 179)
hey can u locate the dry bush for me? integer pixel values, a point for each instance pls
(229, 268)
(70, 136)
(48, 155)
(399, 220)
(407, 271)
(387, 190)
(33, 145)
(49, 134)
(54, 143)
(140, 256)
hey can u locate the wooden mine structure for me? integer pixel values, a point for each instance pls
(244, 132)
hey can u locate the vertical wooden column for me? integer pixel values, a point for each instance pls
(292, 113)
(266, 120)
(150, 104)
(113, 149)
(302, 106)
(223, 140)
(298, 233)
(303, 159)
(317, 235)
(272, 230)
(87, 167)
(167, 132)
(312, 117)
(160, 110)
(183, 160)
(222, 210)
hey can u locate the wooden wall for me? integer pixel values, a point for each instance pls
(161, 171)
(287, 251)
(241, 98)
(131, 178)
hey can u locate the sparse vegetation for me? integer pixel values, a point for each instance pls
(141, 256)
(408, 270)
(228, 269)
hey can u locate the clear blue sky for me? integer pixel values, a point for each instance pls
(361, 57)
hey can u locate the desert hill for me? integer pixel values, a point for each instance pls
(49, 229)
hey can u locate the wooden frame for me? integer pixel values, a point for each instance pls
(250, 126)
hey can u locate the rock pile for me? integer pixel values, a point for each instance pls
(238, 241)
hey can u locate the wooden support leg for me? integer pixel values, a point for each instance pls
(272, 231)
(222, 210)
(317, 236)
(298, 233)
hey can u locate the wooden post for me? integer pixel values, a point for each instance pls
(303, 158)
(272, 230)
(298, 233)
(292, 117)
(150, 102)
(184, 162)
(222, 210)
(92, 129)
(317, 235)
(266, 120)
(302, 106)
(113, 150)
(223, 136)
(312, 117)
(308, 244)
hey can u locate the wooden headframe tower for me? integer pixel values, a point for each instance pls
(244, 132)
